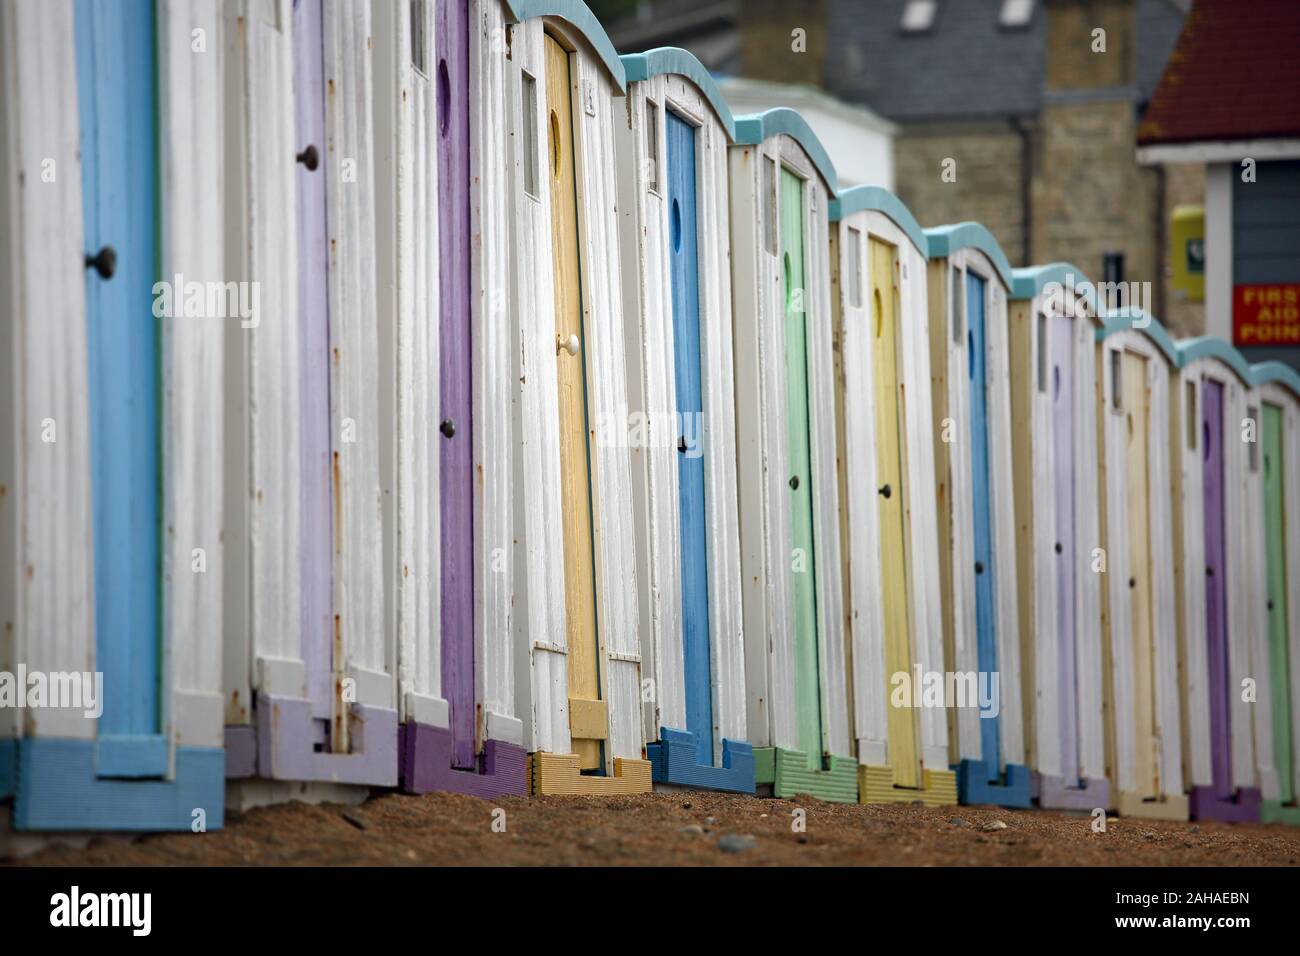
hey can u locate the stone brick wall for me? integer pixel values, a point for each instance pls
(766, 40)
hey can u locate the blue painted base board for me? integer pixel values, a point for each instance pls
(8, 767)
(57, 789)
(973, 785)
(675, 760)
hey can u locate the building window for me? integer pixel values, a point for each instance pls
(1016, 14)
(918, 15)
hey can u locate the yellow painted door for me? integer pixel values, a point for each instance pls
(586, 710)
(1137, 412)
(889, 496)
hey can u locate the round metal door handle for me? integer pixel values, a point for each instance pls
(794, 482)
(570, 345)
(104, 262)
(448, 428)
(1058, 547)
(979, 567)
(1132, 582)
(886, 491)
(1209, 572)
(1270, 604)
(310, 157)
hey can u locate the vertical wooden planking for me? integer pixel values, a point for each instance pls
(1137, 414)
(1275, 466)
(456, 459)
(803, 553)
(1088, 586)
(1212, 436)
(684, 257)
(904, 751)
(115, 74)
(192, 367)
(1060, 386)
(317, 514)
(46, 570)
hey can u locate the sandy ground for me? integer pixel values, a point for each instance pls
(682, 829)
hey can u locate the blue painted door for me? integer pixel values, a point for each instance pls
(115, 94)
(683, 240)
(986, 648)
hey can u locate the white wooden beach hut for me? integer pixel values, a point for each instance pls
(675, 240)
(970, 353)
(550, 74)
(1136, 362)
(310, 663)
(795, 678)
(1052, 333)
(889, 546)
(1219, 585)
(111, 555)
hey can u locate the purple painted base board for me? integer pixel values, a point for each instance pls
(283, 746)
(241, 752)
(1053, 794)
(426, 757)
(1204, 804)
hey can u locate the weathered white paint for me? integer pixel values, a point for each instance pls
(1117, 631)
(955, 508)
(647, 309)
(263, 651)
(1037, 512)
(1246, 588)
(863, 613)
(763, 454)
(46, 568)
(541, 677)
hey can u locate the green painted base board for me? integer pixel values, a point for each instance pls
(788, 773)
(1274, 811)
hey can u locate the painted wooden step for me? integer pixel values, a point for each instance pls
(1242, 807)
(973, 786)
(789, 774)
(938, 787)
(1054, 794)
(561, 774)
(1131, 804)
(675, 760)
(1275, 811)
(425, 755)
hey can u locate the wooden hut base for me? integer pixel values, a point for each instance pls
(1242, 807)
(1053, 794)
(973, 786)
(938, 787)
(675, 760)
(1131, 804)
(1275, 811)
(560, 774)
(425, 756)
(787, 774)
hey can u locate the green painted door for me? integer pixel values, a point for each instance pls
(806, 672)
(1278, 658)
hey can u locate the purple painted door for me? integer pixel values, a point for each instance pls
(314, 346)
(1061, 386)
(456, 462)
(1216, 604)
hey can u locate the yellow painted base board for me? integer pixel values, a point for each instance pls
(1168, 808)
(938, 787)
(560, 774)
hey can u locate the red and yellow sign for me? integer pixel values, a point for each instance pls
(1266, 314)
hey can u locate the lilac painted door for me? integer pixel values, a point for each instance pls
(1216, 605)
(1061, 387)
(314, 347)
(456, 461)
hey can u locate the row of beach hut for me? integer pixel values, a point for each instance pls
(524, 422)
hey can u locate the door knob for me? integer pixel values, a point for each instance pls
(448, 428)
(1270, 604)
(310, 158)
(570, 345)
(794, 482)
(1132, 582)
(979, 567)
(886, 491)
(1209, 572)
(1058, 547)
(104, 262)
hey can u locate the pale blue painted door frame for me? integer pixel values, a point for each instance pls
(116, 92)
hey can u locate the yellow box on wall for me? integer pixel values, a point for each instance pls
(1187, 252)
